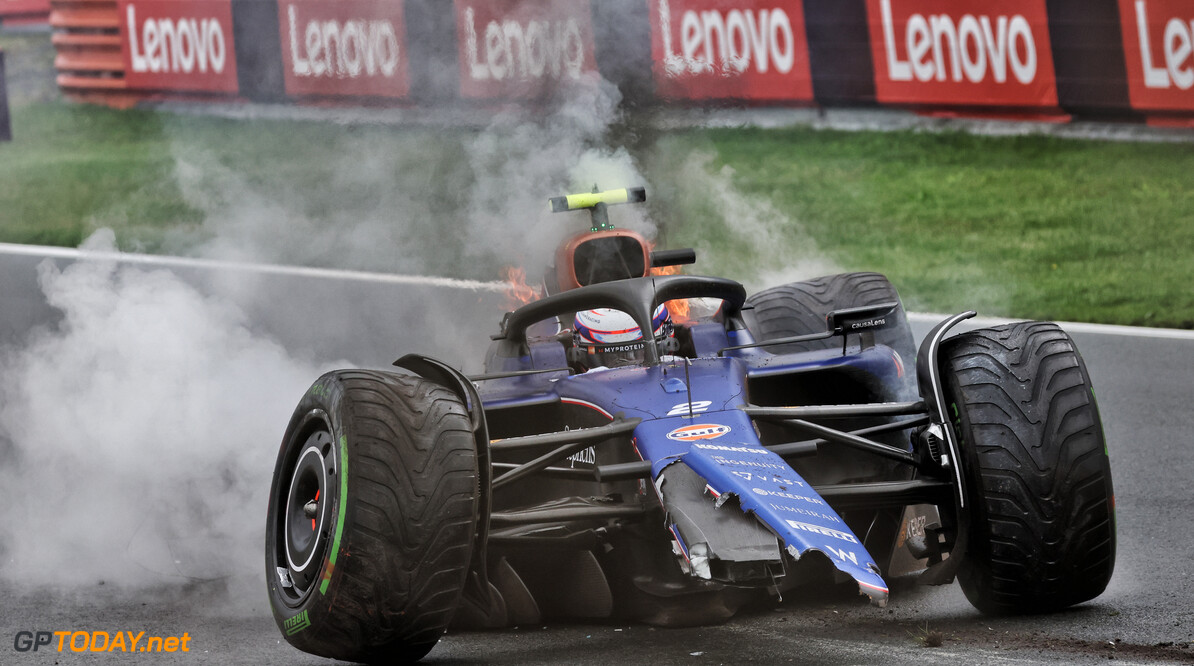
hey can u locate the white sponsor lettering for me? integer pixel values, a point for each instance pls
(843, 555)
(732, 449)
(1178, 43)
(826, 531)
(181, 45)
(532, 50)
(695, 407)
(916, 527)
(728, 43)
(867, 324)
(587, 457)
(350, 49)
(786, 495)
(730, 462)
(805, 512)
(971, 45)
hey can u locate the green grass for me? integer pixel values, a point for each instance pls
(1031, 227)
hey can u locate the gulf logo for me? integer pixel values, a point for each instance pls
(692, 433)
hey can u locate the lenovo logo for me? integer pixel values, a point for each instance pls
(1165, 53)
(972, 48)
(523, 50)
(727, 42)
(352, 48)
(176, 44)
(343, 47)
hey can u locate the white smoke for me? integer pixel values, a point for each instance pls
(456, 203)
(736, 235)
(145, 424)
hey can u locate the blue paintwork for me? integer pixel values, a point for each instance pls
(722, 446)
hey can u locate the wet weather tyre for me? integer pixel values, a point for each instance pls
(1042, 523)
(799, 308)
(372, 517)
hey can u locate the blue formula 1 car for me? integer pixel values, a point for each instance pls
(740, 450)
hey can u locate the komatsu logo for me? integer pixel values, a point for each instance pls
(701, 431)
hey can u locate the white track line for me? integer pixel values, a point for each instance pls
(478, 285)
(265, 269)
(1070, 326)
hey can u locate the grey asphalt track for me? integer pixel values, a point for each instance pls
(1143, 382)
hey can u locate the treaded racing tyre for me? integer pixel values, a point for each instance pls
(372, 515)
(799, 308)
(1042, 522)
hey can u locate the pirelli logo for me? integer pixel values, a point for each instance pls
(817, 529)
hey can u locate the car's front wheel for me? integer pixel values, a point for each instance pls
(372, 515)
(1041, 505)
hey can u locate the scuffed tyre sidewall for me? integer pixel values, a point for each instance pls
(308, 635)
(323, 396)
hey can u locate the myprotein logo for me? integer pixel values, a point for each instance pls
(1159, 50)
(748, 49)
(178, 45)
(695, 432)
(962, 52)
(515, 49)
(344, 47)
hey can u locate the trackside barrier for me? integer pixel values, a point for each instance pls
(1044, 59)
(24, 12)
(87, 38)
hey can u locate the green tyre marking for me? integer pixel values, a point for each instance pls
(297, 623)
(343, 504)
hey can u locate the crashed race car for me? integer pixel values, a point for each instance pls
(743, 449)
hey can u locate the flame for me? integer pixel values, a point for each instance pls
(677, 308)
(518, 292)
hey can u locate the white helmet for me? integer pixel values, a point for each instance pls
(611, 338)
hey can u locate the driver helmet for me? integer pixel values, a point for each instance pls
(610, 338)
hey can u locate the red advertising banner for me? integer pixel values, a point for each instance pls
(178, 44)
(962, 52)
(344, 47)
(730, 49)
(24, 12)
(1159, 51)
(518, 49)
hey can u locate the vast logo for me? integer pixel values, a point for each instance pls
(691, 433)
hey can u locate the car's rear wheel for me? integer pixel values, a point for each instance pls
(372, 515)
(799, 308)
(1041, 505)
